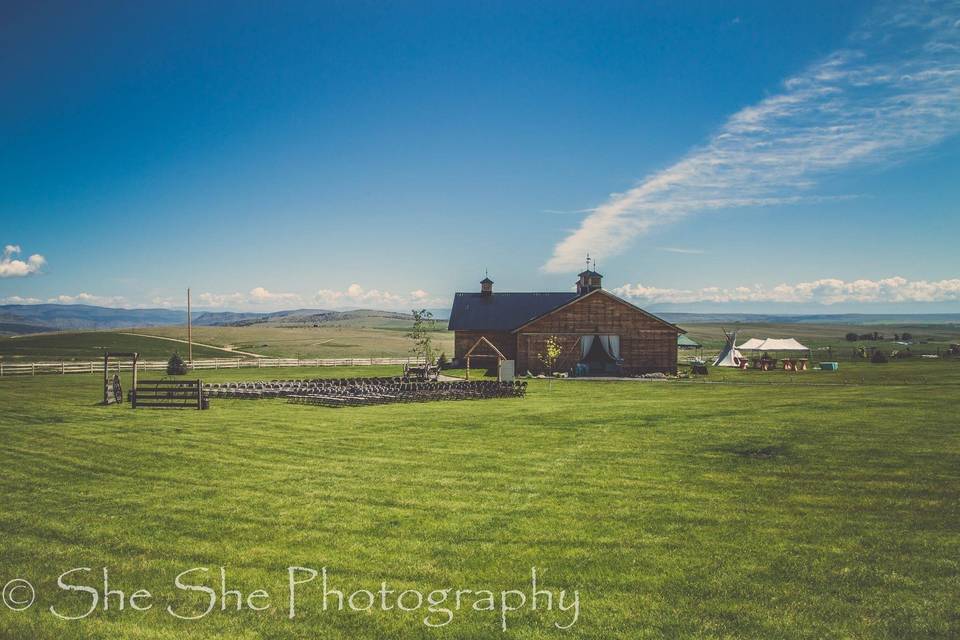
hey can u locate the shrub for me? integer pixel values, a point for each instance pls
(878, 357)
(852, 337)
(176, 366)
(442, 361)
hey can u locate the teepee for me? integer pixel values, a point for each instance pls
(729, 357)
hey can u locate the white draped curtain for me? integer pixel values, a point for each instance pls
(610, 344)
(585, 343)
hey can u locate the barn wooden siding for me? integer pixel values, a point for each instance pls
(504, 340)
(647, 344)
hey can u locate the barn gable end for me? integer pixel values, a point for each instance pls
(593, 326)
(647, 343)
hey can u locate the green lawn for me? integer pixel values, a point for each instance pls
(782, 509)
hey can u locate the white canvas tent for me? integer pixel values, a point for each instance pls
(772, 344)
(752, 343)
(729, 357)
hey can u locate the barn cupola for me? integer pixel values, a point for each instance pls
(589, 281)
(486, 287)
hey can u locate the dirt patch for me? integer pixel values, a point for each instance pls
(761, 453)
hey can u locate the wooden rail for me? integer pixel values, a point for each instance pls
(168, 394)
(41, 368)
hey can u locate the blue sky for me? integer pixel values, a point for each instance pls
(738, 155)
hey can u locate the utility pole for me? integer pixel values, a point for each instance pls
(189, 330)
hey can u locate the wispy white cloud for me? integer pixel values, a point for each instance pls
(356, 296)
(217, 300)
(13, 267)
(351, 297)
(20, 300)
(824, 291)
(894, 91)
(258, 296)
(167, 302)
(590, 210)
(682, 250)
(91, 299)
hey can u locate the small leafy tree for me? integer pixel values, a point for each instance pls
(552, 350)
(906, 337)
(852, 337)
(420, 335)
(176, 366)
(442, 361)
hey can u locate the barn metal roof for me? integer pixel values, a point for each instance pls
(502, 311)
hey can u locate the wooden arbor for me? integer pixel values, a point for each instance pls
(496, 354)
(112, 389)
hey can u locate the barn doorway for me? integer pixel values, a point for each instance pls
(600, 354)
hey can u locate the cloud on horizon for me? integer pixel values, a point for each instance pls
(258, 296)
(352, 297)
(894, 91)
(13, 267)
(357, 296)
(89, 298)
(826, 291)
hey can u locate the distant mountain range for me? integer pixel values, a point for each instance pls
(681, 318)
(38, 318)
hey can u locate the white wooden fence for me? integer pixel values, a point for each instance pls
(96, 366)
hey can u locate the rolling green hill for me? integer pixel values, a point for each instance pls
(91, 345)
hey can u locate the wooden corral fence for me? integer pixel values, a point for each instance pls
(38, 368)
(168, 394)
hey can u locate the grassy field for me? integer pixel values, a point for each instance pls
(927, 338)
(91, 345)
(309, 342)
(791, 508)
(268, 341)
(349, 340)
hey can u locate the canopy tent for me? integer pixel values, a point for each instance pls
(729, 357)
(687, 343)
(772, 344)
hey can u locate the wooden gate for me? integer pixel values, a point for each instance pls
(169, 394)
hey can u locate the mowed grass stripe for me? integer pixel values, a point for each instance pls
(677, 510)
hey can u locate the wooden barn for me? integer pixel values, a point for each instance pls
(598, 332)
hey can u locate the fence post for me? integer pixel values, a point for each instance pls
(63, 369)
(33, 368)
